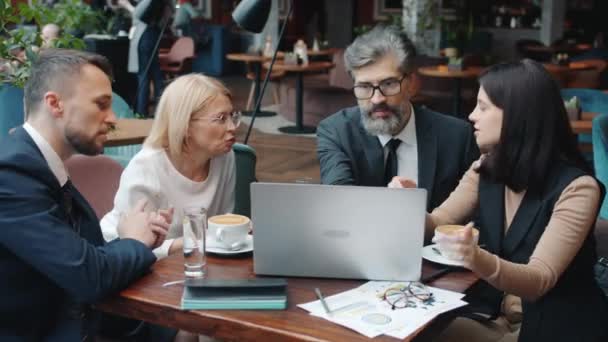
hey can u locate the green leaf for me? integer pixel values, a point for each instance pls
(69, 14)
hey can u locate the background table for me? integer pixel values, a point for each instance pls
(129, 132)
(584, 124)
(457, 76)
(322, 52)
(147, 300)
(574, 66)
(256, 62)
(581, 126)
(300, 70)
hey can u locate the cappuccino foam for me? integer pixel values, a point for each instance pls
(229, 219)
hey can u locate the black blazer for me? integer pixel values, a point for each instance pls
(350, 156)
(48, 269)
(575, 309)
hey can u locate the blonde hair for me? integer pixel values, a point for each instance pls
(184, 96)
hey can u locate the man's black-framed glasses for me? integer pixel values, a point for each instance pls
(387, 87)
(408, 296)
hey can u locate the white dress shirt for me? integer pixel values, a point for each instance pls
(407, 152)
(52, 158)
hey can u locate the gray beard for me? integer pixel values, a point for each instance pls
(389, 126)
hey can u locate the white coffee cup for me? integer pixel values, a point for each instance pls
(229, 230)
(449, 232)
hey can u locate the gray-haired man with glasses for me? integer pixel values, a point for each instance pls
(385, 136)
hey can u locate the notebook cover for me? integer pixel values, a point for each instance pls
(235, 294)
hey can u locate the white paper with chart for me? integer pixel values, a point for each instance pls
(366, 311)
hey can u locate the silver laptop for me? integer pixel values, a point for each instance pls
(314, 230)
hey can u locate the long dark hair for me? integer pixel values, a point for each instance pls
(536, 131)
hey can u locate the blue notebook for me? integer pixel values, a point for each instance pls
(218, 294)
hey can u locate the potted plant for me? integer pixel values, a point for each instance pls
(76, 17)
(20, 44)
(455, 64)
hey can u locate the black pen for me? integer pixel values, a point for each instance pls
(323, 302)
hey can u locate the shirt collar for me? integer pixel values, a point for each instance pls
(52, 158)
(407, 135)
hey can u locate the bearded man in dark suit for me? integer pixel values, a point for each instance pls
(385, 136)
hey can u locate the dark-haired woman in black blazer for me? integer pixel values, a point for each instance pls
(535, 203)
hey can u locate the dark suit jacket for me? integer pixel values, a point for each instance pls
(47, 268)
(351, 156)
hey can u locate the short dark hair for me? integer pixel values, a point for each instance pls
(536, 130)
(54, 70)
(377, 43)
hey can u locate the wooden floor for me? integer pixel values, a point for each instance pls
(280, 157)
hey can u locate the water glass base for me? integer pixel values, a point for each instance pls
(194, 272)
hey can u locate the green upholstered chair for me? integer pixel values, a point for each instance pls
(245, 159)
(11, 108)
(599, 133)
(591, 100)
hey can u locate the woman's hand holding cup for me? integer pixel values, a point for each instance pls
(458, 243)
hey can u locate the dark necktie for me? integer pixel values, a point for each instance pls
(390, 168)
(74, 310)
(68, 204)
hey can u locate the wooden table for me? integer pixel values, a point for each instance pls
(321, 52)
(300, 70)
(584, 124)
(256, 62)
(129, 132)
(581, 126)
(147, 300)
(564, 48)
(588, 116)
(563, 73)
(457, 76)
(574, 66)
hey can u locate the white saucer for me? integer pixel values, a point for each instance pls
(431, 255)
(213, 247)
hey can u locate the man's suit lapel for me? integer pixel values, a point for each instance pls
(427, 152)
(374, 154)
(43, 172)
(35, 160)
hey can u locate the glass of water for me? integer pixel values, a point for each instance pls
(194, 223)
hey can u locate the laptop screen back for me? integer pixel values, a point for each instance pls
(315, 230)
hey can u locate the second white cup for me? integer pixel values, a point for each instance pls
(229, 230)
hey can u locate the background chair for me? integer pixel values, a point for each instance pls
(591, 100)
(179, 59)
(600, 163)
(122, 154)
(245, 174)
(275, 76)
(11, 108)
(97, 178)
(600, 153)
